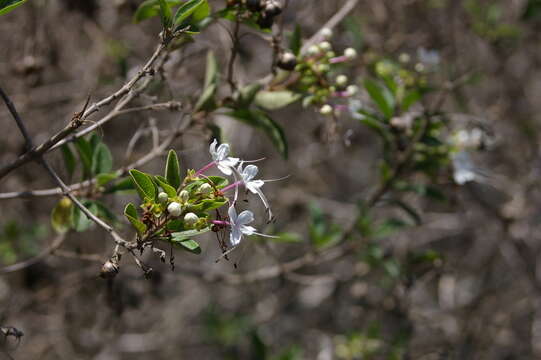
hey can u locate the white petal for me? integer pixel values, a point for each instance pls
(247, 230)
(264, 200)
(254, 185)
(232, 212)
(245, 217)
(230, 161)
(223, 151)
(224, 169)
(212, 148)
(249, 173)
(235, 236)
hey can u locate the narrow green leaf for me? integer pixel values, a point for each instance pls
(410, 211)
(79, 221)
(169, 190)
(261, 120)
(187, 9)
(218, 181)
(295, 41)
(206, 100)
(143, 184)
(274, 100)
(69, 159)
(150, 8)
(103, 179)
(165, 14)
(381, 96)
(211, 73)
(102, 160)
(9, 5)
(172, 169)
(131, 214)
(124, 184)
(189, 245)
(247, 94)
(84, 149)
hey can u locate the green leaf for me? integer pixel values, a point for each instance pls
(150, 8)
(165, 14)
(79, 221)
(169, 190)
(69, 159)
(84, 149)
(211, 73)
(188, 244)
(103, 179)
(206, 205)
(9, 5)
(206, 100)
(188, 9)
(247, 94)
(143, 184)
(102, 160)
(295, 41)
(274, 100)
(131, 214)
(381, 96)
(218, 181)
(389, 227)
(201, 13)
(61, 215)
(261, 120)
(410, 211)
(172, 169)
(124, 184)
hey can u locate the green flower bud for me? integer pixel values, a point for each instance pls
(325, 46)
(184, 196)
(205, 189)
(162, 197)
(174, 209)
(190, 219)
(323, 68)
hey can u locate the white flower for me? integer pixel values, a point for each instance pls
(247, 176)
(352, 90)
(221, 157)
(238, 225)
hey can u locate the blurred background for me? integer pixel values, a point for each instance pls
(462, 282)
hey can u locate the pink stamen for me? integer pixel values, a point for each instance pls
(232, 186)
(341, 94)
(341, 107)
(339, 59)
(205, 168)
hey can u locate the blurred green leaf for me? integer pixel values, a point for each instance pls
(84, 149)
(189, 8)
(206, 100)
(9, 5)
(61, 215)
(69, 159)
(102, 160)
(131, 214)
(295, 40)
(166, 15)
(261, 120)
(150, 8)
(381, 96)
(124, 184)
(103, 179)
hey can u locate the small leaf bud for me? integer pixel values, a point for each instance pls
(162, 197)
(287, 61)
(341, 80)
(326, 33)
(184, 196)
(350, 53)
(326, 109)
(190, 219)
(205, 189)
(174, 209)
(325, 46)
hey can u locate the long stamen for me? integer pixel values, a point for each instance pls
(231, 186)
(205, 168)
(338, 59)
(220, 222)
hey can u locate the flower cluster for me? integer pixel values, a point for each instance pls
(174, 211)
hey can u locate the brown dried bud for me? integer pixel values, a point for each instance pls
(272, 9)
(109, 270)
(287, 61)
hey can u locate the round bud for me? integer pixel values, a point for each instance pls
(109, 270)
(184, 196)
(272, 8)
(323, 68)
(174, 209)
(341, 80)
(326, 109)
(420, 67)
(287, 61)
(254, 5)
(325, 46)
(205, 189)
(330, 54)
(163, 197)
(350, 53)
(313, 50)
(190, 219)
(326, 33)
(404, 58)
(352, 90)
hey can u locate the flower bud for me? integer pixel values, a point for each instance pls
(326, 33)
(174, 209)
(313, 50)
(323, 68)
(352, 90)
(287, 61)
(341, 80)
(325, 109)
(272, 8)
(325, 46)
(190, 219)
(163, 197)
(205, 189)
(184, 196)
(330, 54)
(109, 270)
(350, 53)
